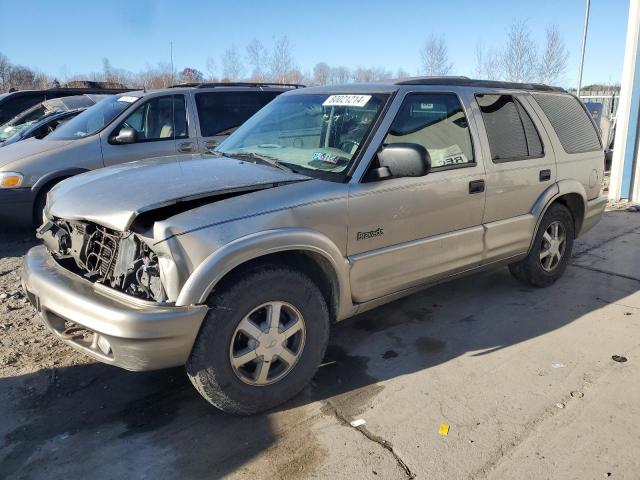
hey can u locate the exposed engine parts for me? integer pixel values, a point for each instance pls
(119, 260)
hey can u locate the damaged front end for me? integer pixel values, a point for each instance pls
(122, 261)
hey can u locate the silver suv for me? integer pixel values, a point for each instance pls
(328, 202)
(185, 119)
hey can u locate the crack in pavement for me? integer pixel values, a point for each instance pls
(613, 274)
(374, 438)
(604, 242)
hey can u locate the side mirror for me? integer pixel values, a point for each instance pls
(126, 135)
(403, 160)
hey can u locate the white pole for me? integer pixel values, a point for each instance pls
(584, 45)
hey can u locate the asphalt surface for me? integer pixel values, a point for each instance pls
(524, 378)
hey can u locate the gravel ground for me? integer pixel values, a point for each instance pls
(26, 344)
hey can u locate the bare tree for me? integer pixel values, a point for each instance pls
(191, 75)
(402, 73)
(257, 57)
(232, 67)
(159, 77)
(479, 70)
(519, 56)
(212, 68)
(321, 73)
(5, 72)
(21, 77)
(339, 75)
(112, 75)
(554, 58)
(435, 57)
(492, 65)
(294, 76)
(281, 61)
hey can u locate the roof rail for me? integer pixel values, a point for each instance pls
(470, 82)
(236, 84)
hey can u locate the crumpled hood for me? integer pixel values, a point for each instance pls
(28, 148)
(115, 196)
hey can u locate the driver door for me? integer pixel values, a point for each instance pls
(407, 231)
(160, 124)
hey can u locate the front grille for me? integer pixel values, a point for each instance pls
(101, 252)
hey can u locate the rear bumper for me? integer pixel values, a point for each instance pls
(108, 325)
(16, 206)
(593, 213)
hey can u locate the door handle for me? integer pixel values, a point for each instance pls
(476, 186)
(186, 147)
(545, 175)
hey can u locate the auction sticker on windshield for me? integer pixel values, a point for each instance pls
(346, 101)
(127, 99)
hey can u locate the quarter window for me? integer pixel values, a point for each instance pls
(161, 118)
(570, 120)
(222, 113)
(510, 130)
(437, 122)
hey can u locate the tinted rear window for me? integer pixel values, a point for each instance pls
(510, 130)
(222, 113)
(571, 122)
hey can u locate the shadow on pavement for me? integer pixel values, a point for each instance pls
(157, 424)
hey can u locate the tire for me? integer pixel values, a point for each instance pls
(230, 387)
(543, 272)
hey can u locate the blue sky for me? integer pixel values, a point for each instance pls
(72, 37)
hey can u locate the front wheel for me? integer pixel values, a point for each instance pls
(551, 250)
(261, 342)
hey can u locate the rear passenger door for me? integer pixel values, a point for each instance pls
(520, 167)
(161, 129)
(221, 113)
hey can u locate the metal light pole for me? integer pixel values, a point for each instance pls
(584, 44)
(171, 60)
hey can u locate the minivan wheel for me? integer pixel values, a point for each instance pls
(551, 250)
(261, 342)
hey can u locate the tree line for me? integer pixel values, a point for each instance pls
(519, 59)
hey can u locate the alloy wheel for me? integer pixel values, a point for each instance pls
(267, 343)
(553, 246)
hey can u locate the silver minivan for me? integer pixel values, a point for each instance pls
(131, 126)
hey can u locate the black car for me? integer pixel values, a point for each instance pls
(13, 103)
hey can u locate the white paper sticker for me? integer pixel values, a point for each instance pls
(127, 99)
(346, 101)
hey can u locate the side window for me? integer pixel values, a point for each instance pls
(437, 122)
(161, 118)
(570, 120)
(510, 130)
(221, 113)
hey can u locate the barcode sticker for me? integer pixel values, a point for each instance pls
(346, 101)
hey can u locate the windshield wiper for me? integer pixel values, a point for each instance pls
(261, 158)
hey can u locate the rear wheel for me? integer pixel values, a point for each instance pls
(261, 342)
(548, 258)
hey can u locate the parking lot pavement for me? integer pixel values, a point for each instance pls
(524, 378)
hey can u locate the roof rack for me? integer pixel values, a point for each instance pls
(470, 82)
(236, 84)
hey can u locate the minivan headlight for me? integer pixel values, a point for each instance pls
(10, 179)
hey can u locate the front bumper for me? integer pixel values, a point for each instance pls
(593, 213)
(16, 206)
(105, 324)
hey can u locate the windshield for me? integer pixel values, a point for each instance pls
(22, 122)
(93, 119)
(318, 132)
